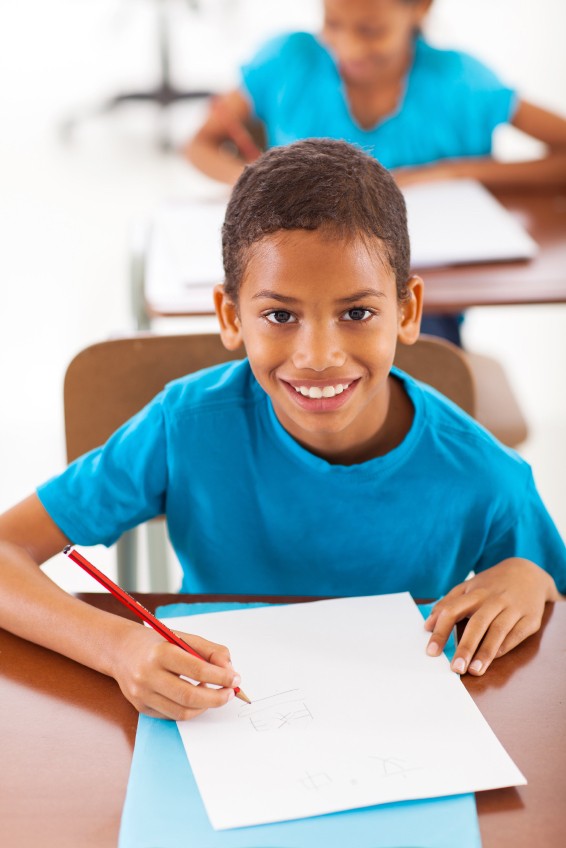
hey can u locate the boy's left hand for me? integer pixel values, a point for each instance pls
(504, 605)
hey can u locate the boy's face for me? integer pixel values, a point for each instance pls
(369, 37)
(320, 320)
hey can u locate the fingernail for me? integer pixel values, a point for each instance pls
(459, 666)
(231, 694)
(433, 649)
(476, 665)
(236, 680)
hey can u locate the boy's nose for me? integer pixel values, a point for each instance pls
(318, 350)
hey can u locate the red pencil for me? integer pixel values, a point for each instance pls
(138, 609)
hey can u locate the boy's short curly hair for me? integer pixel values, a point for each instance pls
(315, 184)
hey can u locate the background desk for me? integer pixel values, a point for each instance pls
(68, 733)
(538, 280)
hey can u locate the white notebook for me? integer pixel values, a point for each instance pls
(455, 222)
(450, 222)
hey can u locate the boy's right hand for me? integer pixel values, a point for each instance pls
(148, 670)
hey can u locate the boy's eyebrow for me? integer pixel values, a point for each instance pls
(274, 296)
(359, 295)
(352, 298)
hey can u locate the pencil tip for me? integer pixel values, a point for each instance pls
(243, 697)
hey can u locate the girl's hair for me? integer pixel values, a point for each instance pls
(316, 184)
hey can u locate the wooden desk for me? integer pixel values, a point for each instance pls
(68, 734)
(538, 280)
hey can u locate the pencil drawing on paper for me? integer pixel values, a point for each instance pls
(315, 781)
(393, 766)
(278, 712)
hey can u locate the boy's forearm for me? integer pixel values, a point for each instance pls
(33, 607)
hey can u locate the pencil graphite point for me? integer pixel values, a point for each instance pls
(243, 697)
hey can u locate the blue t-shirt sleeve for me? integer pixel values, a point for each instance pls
(114, 487)
(260, 75)
(483, 100)
(278, 69)
(533, 535)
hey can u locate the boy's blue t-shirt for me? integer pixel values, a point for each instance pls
(450, 107)
(251, 511)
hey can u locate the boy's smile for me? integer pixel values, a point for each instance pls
(320, 319)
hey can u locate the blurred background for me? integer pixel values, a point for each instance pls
(69, 203)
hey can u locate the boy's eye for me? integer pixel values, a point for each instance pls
(357, 313)
(280, 316)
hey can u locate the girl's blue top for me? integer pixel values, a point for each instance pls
(450, 106)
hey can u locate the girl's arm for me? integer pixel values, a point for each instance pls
(550, 170)
(147, 670)
(223, 145)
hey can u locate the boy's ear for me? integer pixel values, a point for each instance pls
(227, 314)
(410, 312)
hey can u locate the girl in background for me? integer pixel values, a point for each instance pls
(372, 79)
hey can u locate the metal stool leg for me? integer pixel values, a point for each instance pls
(157, 557)
(126, 553)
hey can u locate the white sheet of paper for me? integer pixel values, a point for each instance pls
(347, 711)
(450, 222)
(455, 222)
(184, 257)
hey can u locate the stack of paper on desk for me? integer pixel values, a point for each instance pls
(455, 222)
(348, 711)
(450, 222)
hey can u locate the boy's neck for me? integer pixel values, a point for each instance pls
(388, 435)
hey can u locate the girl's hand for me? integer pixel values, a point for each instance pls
(504, 605)
(148, 670)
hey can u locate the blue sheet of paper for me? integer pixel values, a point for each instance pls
(163, 808)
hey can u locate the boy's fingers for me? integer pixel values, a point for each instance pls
(180, 663)
(212, 652)
(446, 618)
(215, 667)
(456, 592)
(525, 627)
(182, 697)
(188, 696)
(482, 638)
(162, 707)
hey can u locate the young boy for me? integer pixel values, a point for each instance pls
(312, 467)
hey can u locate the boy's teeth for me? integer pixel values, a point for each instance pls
(317, 392)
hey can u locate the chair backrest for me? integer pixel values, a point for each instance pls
(442, 365)
(108, 382)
